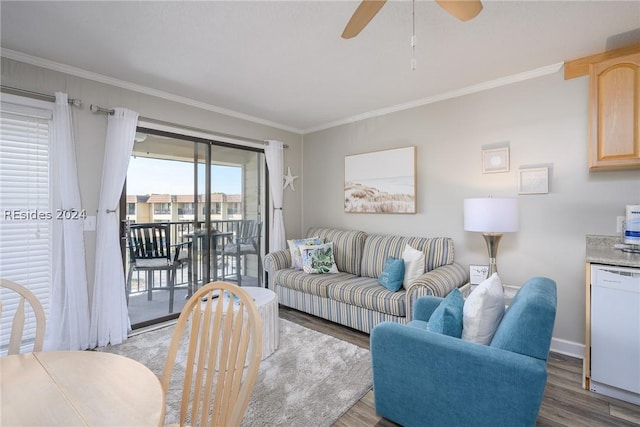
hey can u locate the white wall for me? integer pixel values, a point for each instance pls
(545, 121)
(90, 132)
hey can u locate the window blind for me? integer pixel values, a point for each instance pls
(25, 211)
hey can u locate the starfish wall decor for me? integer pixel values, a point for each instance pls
(288, 179)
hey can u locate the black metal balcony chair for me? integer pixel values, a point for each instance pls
(246, 241)
(150, 250)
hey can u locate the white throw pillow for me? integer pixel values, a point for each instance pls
(414, 262)
(483, 310)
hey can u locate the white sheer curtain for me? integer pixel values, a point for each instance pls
(109, 316)
(274, 154)
(68, 324)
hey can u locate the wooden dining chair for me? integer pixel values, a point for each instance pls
(220, 331)
(17, 338)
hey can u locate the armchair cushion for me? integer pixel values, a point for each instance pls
(447, 318)
(534, 304)
(424, 307)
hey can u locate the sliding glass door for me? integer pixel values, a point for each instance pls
(203, 192)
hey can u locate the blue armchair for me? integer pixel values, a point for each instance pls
(422, 378)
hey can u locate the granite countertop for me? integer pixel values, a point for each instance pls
(600, 250)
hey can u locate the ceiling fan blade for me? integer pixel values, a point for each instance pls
(361, 17)
(461, 9)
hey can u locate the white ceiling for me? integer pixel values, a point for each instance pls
(284, 62)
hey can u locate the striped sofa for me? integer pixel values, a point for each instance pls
(353, 297)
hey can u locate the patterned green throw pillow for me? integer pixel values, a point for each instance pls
(294, 249)
(318, 259)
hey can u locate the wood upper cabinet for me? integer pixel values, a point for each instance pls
(614, 140)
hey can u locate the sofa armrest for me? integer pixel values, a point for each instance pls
(424, 378)
(437, 282)
(277, 260)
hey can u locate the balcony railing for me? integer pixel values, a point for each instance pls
(182, 231)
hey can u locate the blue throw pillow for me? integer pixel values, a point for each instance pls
(447, 318)
(392, 274)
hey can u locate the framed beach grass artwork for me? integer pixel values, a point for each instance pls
(381, 182)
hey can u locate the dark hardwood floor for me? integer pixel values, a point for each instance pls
(565, 402)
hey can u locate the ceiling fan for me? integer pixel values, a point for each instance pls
(461, 9)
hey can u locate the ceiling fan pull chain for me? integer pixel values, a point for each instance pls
(413, 57)
(413, 36)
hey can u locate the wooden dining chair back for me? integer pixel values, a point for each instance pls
(218, 338)
(17, 335)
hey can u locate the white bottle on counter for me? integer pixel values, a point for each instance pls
(632, 228)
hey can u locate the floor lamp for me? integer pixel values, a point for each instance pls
(491, 217)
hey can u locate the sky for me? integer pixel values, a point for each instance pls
(148, 176)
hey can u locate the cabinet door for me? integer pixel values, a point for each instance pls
(615, 113)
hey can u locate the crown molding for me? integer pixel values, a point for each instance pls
(503, 81)
(89, 75)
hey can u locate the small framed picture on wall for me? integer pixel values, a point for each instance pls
(533, 181)
(478, 273)
(495, 160)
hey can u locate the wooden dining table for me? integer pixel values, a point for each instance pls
(78, 388)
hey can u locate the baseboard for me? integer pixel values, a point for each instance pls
(568, 348)
(152, 327)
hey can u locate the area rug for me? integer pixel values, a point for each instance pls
(311, 380)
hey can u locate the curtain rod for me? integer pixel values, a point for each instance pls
(97, 109)
(76, 102)
(283, 145)
(110, 111)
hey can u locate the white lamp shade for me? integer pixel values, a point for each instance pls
(491, 215)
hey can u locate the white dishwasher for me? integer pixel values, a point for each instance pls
(615, 332)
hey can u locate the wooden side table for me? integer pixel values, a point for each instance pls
(267, 304)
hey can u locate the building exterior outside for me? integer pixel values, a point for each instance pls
(181, 207)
